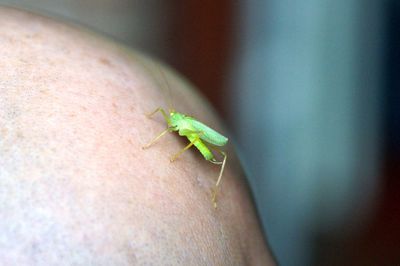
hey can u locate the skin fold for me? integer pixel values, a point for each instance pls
(76, 187)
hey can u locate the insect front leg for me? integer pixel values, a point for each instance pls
(155, 139)
(167, 119)
(159, 109)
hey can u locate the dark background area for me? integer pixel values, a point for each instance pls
(379, 242)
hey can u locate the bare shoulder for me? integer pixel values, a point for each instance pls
(75, 182)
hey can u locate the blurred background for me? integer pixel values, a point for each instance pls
(310, 91)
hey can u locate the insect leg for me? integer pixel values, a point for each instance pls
(173, 158)
(155, 139)
(222, 168)
(159, 109)
(214, 192)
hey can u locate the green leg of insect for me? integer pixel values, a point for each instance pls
(162, 111)
(214, 191)
(173, 158)
(155, 139)
(222, 163)
(159, 109)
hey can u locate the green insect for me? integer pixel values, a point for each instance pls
(199, 135)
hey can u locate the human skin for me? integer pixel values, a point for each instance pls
(76, 187)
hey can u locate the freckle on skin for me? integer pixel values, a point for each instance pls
(115, 109)
(4, 132)
(20, 135)
(105, 61)
(32, 36)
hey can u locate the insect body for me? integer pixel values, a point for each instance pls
(201, 136)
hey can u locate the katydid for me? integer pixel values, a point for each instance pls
(199, 135)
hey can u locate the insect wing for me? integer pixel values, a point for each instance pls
(208, 134)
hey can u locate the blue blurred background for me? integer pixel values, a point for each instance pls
(310, 91)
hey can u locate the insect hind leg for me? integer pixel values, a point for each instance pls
(173, 158)
(214, 191)
(192, 142)
(215, 162)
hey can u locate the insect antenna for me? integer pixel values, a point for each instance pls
(170, 105)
